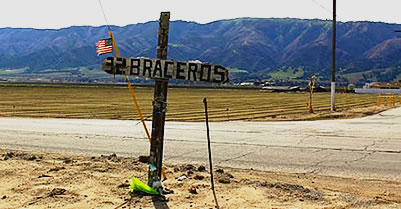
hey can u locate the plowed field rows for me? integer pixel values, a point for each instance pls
(183, 104)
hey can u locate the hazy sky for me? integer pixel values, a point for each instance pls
(64, 13)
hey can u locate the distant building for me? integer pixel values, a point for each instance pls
(380, 88)
(383, 85)
(247, 83)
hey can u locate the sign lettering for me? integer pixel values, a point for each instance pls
(166, 69)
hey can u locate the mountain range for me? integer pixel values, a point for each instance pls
(256, 48)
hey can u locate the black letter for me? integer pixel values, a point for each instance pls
(120, 64)
(109, 61)
(221, 73)
(209, 68)
(166, 64)
(180, 70)
(192, 67)
(135, 66)
(147, 66)
(108, 65)
(158, 68)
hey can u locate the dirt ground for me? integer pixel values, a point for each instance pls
(48, 180)
(356, 112)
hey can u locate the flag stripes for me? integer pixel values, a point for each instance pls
(104, 46)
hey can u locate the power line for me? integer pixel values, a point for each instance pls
(323, 7)
(329, 11)
(104, 15)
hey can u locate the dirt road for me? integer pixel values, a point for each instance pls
(368, 147)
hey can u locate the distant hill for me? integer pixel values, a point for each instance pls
(258, 48)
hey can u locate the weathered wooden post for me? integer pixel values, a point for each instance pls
(159, 106)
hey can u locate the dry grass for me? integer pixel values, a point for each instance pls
(183, 104)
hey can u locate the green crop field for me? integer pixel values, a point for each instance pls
(183, 104)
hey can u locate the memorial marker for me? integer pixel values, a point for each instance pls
(162, 70)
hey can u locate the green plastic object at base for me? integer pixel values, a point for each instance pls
(138, 185)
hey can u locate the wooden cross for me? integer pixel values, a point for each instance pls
(161, 70)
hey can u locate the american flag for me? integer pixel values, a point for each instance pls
(104, 46)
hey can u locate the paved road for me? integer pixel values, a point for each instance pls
(368, 147)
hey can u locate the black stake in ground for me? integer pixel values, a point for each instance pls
(159, 107)
(210, 153)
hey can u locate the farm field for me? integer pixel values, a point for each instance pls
(184, 104)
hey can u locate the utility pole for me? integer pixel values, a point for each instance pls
(159, 108)
(333, 61)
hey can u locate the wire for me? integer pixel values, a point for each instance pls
(320, 5)
(330, 11)
(104, 15)
(126, 77)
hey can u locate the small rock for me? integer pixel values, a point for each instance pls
(144, 159)
(229, 175)
(201, 168)
(4, 197)
(8, 155)
(189, 173)
(57, 191)
(220, 171)
(193, 190)
(113, 158)
(167, 191)
(176, 169)
(182, 178)
(224, 180)
(199, 177)
(27, 157)
(67, 161)
(189, 167)
(56, 169)
(44, 176)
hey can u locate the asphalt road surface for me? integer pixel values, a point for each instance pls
(368, 147)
